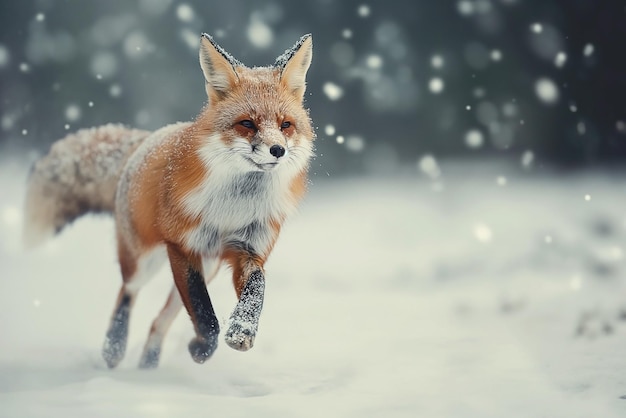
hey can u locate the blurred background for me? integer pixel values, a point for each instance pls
(393, 83)
(466, 258)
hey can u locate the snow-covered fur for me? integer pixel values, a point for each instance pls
(202, 193)
(79, 175)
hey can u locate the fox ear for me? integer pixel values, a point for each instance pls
(294, 64)
(218, 67)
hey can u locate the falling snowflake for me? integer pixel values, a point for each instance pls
(536, 28)
(465, 7)
(72, 113)
(547, 91)
(474, 139)
(103, 65)
(185, 12)
(560, 59)
(374, 61)
(436, 85)
(260, 34)
(355, 143)
(115, 90)
(528, 157)
(364, 10)
(429, 166)
(332, 91)
(436, 61)
(496, 55)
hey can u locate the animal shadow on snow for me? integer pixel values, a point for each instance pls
(83, 371)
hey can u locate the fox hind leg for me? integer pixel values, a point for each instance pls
(152, 350)
(115, 343)
(136, 271)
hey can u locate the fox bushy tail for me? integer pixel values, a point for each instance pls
(79, 175)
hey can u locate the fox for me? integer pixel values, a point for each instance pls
(201, 194)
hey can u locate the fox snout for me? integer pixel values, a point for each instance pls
(270, 141)
(266, 152)
(277, 150)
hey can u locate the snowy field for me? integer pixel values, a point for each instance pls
(491, 293)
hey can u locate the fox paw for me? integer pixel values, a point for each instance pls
(150, 358)
(201, 349)
(113, 352)
(240, 335)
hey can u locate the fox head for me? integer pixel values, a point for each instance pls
(256, 116)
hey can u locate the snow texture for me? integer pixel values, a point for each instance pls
(379, 301)
(228, 57)
(244, 321)
(284, 58)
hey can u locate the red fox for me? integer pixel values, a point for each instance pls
(202, 193)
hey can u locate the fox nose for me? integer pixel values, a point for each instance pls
(277, 151)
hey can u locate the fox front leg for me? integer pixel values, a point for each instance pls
(243, 324)
(188, 277)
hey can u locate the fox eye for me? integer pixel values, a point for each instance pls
(285, 125)
(247, 123)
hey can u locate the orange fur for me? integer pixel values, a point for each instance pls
(212, 191)
(192, 188)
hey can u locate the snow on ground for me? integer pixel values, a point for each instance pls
(498, 296)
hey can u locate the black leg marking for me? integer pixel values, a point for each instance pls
(115, 342)
(244, 320)
(208, 328)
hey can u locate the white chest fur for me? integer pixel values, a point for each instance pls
(235, 207)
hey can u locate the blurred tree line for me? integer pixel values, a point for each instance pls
(391, 80)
